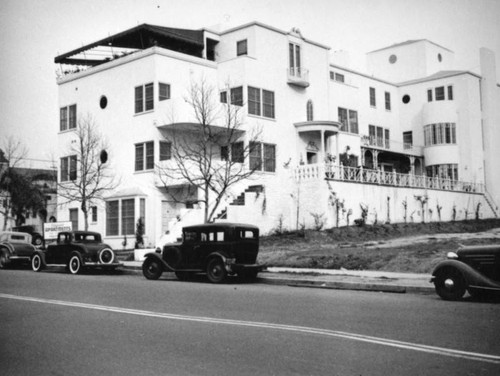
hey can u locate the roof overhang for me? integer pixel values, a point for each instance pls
(318, 126)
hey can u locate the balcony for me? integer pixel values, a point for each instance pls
(381, 143)
(298, 77)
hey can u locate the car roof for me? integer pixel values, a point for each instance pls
(15, 233)
(222, 225)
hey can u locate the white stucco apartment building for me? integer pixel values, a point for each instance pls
(410, 139)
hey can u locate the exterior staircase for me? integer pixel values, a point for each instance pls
(491, 203)
(240, 200)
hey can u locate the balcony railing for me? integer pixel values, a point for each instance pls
(391, 145)
(298, 77)
(367, 176)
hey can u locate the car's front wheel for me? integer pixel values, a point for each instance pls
(37, 263)
(152, 268)
(75, 264)
(450, 284)
(4, 259)
(216, 270)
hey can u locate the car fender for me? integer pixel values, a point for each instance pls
(158, 257)
(471, 275)
(7, 247)
(41, 254)
(222, 256)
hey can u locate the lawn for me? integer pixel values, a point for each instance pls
(411, 247)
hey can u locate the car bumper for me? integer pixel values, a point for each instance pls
(241, 268)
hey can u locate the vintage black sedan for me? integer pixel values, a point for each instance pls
(15, 247)
(217, 249)
(475, 269)
(76, 250)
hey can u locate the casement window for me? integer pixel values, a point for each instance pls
(67, 118)
(236, 94)
(163, 91)
(443, 171)
(93, 214)
(294, 59)
(165, 150)
(144, 156)
(73, 218)
(379, 136)
(68, 168)
(408, 140)
(262, 157)
(387, 101)
(120, 216)
(260, 102)
(373, 101)
(429, 95)
(439, 91)
(440, 133)
(450, 93)
(349, 120)
(235, 153)
(241, 47)
(310, 110)
(144, 98)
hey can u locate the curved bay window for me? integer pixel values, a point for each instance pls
(443, 171)
(440, 133)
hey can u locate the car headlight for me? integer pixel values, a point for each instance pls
(452, 255)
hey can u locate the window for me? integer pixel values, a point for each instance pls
(120, 216)
(93, 213)
(443, 171)
(262, 157)
(309, 110)
(407, 140)
(337, 76)
(294, 59)
(68, 168)
(379, 136)
(144, 98)
(373, 101)
(439, 93)
(349, 120)
(67, 118)
(387, 101)
(165, 150)
(440, 133)
(163, 91)
(241, 47)
(237, 152)
(73, 217)
(128, 217)
(256, 106)
(429, 95)
(236, 96)
(144, 156)
(142, 211)
(223, 96)
(112, 218)
(450, 93)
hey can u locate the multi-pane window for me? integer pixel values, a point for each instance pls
(235, 152)
(429, 95)
(163, 91)
(144, 156)
(439, 93)
(450, 93)
(294, 59)
(241, 47)
(337, 76)
(379, 136)
(236, 94)
(93, 212)
(144, 98)
(407, 140)
(112, 218)
(309, 110)
(67, 118)
(120, 216)
(443, 171)
(128, 217)
(68, 168)
(440, 133)
(262, 157)
(387, 101)
(260, 101)
(165, 150)
(349, 120)
(373, 101)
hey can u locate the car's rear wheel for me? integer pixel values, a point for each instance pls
(152, 268)
(4, 259)
(450, 284)
(216, 270)
(37, 241)
(37, 263)
(75, 264)
(106, 256)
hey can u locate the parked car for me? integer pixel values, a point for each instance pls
(77, 250)
(15, 247)
(36, 237)
(475, 269)
(219, 250)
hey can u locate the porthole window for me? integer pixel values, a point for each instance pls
(440, 57)
(406, 99)
(103, 156)
(393, 59)
(103, 102)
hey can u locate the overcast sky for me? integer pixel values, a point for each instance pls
(33, 32)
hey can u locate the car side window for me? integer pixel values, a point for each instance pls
(220, 236)
(189, 236)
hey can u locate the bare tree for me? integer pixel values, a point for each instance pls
(87, 172)
(208, 157)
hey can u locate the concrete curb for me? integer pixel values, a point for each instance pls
(335, 282)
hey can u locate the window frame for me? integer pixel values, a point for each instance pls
(387, 97)
(265, 104)
(68, 168)
(145, 160)
(166, 88)
(68, 121)
(440, 93)
(348, 126)
(242, 47)
(262, 157)
(373, 97)
(164, 154)
(144, 98)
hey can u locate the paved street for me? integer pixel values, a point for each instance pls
(57, 324)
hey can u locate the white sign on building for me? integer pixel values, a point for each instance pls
(51, 229)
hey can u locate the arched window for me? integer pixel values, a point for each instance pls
(310, 110)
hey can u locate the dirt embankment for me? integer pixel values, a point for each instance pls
(412, 247)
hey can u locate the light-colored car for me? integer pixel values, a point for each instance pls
(15, 247)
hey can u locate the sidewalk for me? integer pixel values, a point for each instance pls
(335, 279)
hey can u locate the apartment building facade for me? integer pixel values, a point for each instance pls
(405, 141)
